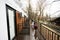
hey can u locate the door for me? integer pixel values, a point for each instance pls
(10, 22)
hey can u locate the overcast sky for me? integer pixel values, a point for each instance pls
(51, 8)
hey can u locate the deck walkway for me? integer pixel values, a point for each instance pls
(30, 36)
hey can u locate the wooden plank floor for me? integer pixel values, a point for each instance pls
(22, 37)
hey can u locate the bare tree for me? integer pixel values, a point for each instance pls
(31, 14)
(41, 8)
(28, 10)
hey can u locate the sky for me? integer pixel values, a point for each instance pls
(51, 8)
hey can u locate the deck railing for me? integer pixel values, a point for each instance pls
(49, 33)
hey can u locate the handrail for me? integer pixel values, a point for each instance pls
(53, 27)
(53, 30)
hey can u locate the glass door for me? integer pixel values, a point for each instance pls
(10, 22)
